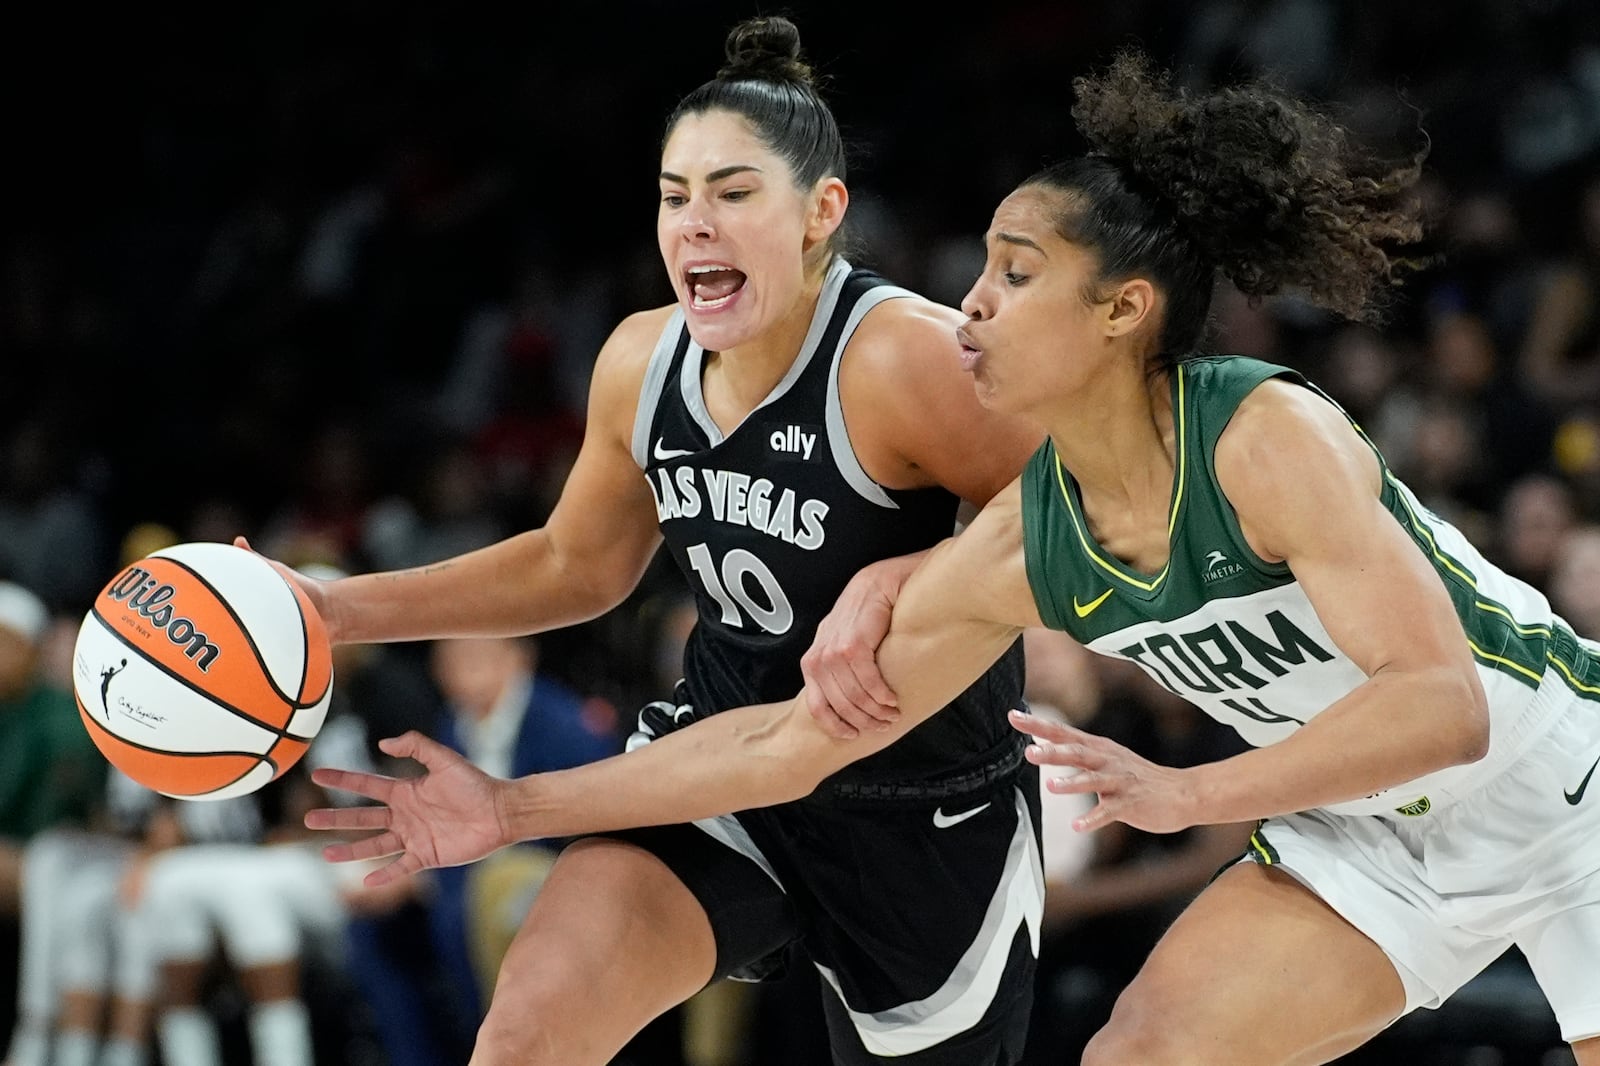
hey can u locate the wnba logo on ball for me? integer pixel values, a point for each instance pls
(149, 598)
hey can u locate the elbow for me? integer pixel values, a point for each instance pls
(1469, 735)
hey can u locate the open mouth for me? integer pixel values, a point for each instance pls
(713, 285)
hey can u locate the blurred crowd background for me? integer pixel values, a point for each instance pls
(333, 277)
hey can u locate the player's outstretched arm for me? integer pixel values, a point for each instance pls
(957, 614)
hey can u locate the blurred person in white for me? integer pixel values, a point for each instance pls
(87, 979)
(264, 899)
(78, 947)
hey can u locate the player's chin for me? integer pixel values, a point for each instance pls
(722, 329)
(991, 396)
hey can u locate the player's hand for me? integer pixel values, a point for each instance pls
(449, 816)
(1129, 787)
(315, 589)
(845, 693)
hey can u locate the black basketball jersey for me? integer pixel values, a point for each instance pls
(770, 521)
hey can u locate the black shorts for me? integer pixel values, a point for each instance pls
(921, 917)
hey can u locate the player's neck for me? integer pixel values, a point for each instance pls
(736, 380)
(1119, 445)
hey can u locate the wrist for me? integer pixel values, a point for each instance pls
(1197, 794)
(515, 810)
(329, 606)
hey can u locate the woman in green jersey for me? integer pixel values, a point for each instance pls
(1426, 728)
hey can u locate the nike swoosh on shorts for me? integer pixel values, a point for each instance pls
(942, 820)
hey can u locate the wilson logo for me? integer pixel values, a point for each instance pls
(151, 600)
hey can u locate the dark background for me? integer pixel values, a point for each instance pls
(333, 275)
(168, 166)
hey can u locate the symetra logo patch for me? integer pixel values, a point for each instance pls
(1218, 566)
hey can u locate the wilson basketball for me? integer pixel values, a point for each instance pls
(201, 672)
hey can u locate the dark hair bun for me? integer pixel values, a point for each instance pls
(767, 49)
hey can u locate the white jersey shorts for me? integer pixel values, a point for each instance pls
(1517, 861)
(268, 903)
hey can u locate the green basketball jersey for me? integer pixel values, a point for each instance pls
(1235, 634)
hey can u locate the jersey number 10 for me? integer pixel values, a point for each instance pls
(728, 589)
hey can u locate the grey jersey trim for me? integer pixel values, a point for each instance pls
(727, 830)
(694, 359)
(655, 376)
(964, 998)
(844, 456)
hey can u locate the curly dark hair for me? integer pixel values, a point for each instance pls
(1246, 181)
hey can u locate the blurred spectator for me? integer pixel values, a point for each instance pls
(448, 512)
(1575, 580)
(51, 530)
(86, 974)
(1443, 461)
(1104, 911)
(1063, 682)
(1294, 42)
(1466, 369)
(50, 771)
(331, 223)
(1244, 326)
(326, 514)
(510, 718)
(1536, 516)
(242, 881)
(1561, 351)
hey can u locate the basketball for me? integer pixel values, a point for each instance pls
(201, 672)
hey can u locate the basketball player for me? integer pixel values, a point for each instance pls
(775, 428)
(1426, 729)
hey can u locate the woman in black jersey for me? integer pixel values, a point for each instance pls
(787, 422)
(1425, 728)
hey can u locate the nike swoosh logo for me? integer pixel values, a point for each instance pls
(663, 454)
(1086, 609)
(942, 820)
(1576, 798)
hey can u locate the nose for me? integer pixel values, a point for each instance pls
(696, 224)
(974, 304)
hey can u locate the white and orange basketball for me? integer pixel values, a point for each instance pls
(201, 672)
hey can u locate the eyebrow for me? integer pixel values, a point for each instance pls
(1023, 242)
(713, 177)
